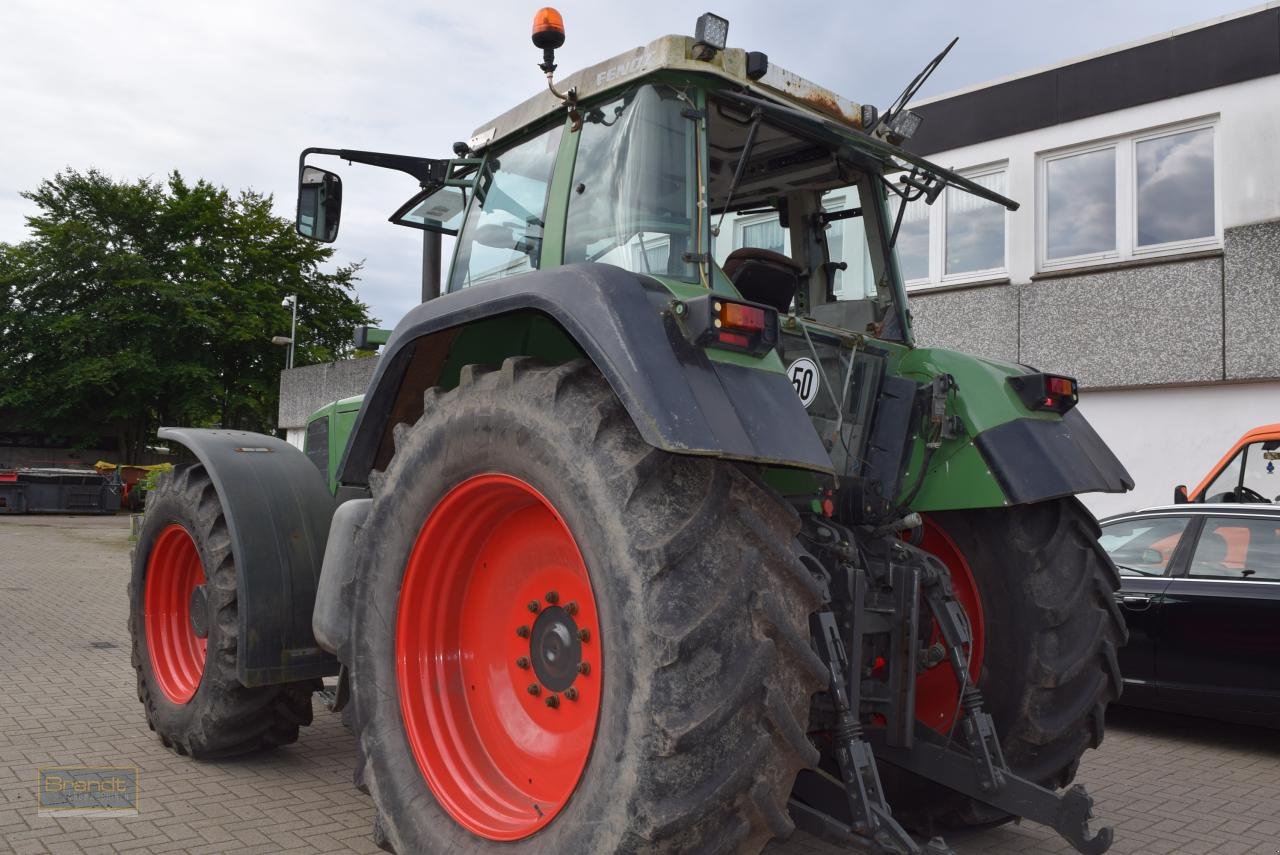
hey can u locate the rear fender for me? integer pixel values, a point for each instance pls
(680, 399)
(278, 510)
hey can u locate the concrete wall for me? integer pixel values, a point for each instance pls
(1167, 437)
(305, 390)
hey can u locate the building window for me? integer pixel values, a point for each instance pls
(960, 238)
(1139, 195)
(974, 231)
(913, 242)
(1174, 187)
(764, 235)
(1080, 219)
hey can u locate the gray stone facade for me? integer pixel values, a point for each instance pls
(305, 390)
(1251, 281)
(1150, 325)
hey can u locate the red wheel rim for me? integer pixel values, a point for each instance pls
(937, 690)
(469, 645)
(177, 653)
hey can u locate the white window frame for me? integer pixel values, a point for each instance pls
(938, 275)
(1126, 226)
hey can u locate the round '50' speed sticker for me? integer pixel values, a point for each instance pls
(803, 374)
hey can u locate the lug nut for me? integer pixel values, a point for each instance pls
(533, 606)
(534, 688)
(584, 668)
(522, 631)
(584, 634)
(571, 693)
(553, 701)
(571, 607)
(522, 662)
(553, 597)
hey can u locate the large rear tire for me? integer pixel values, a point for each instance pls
(1050, 630)
(686, 731)
(186, 668)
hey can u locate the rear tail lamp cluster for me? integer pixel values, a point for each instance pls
(1052, 392)
(713, 321)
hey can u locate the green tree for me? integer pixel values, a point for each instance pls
(135, 305)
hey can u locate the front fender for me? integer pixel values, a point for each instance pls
(680, 400)
(278, 509)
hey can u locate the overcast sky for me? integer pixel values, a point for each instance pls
(230, 91)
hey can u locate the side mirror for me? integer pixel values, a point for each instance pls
(1180, 494)
(319, 204)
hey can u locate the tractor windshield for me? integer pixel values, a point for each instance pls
(633, 202)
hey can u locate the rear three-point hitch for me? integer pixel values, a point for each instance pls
(891, 613)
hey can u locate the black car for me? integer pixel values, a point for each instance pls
(1200, 592)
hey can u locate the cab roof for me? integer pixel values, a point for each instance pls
(671, 53)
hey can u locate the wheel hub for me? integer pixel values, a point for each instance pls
(555, 649)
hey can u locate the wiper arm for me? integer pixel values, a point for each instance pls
(832, 133)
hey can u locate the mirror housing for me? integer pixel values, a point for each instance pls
(319, 204)
(1180, 495)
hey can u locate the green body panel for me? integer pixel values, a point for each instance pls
(983, 399)
(341, 416)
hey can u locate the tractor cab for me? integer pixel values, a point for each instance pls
(642, 161)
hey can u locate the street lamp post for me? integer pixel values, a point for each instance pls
(292, 302)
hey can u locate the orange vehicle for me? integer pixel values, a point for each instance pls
(1249, 472)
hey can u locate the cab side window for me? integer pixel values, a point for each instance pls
(503, 232)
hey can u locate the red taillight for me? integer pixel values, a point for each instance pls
(715, 321)
(1051, 392)
(739, 317)
(1062, 387)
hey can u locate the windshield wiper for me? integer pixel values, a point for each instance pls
(858, 145)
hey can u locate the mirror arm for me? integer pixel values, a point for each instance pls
(427, 170)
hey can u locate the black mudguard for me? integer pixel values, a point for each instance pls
(680, 400)
(1038, 459)
(278, 510)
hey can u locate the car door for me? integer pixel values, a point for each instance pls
(1145, 548)
(1219, 647)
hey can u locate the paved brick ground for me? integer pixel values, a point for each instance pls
(1171, 785)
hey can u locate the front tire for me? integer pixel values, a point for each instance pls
(183, 568)
(696, 610)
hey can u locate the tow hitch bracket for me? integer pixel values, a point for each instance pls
(887, 593)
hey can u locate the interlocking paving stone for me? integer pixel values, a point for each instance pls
(1169, 784)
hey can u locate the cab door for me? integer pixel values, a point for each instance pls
(1219, 648)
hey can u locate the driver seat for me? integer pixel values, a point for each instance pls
(764, 276)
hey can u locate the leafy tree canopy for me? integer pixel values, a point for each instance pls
(154, 302)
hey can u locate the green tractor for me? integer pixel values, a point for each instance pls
(630, 549)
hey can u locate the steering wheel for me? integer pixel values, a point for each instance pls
(1244, 494)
